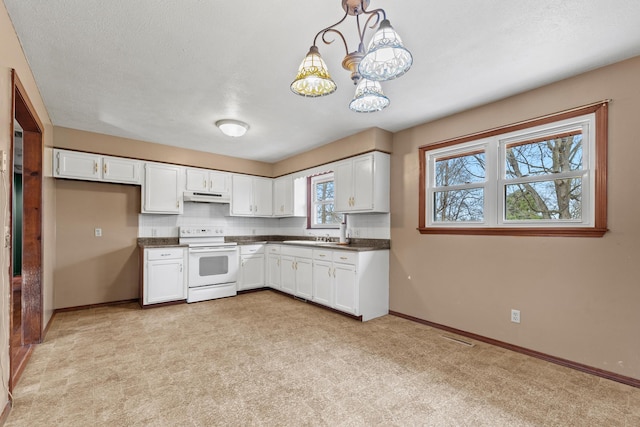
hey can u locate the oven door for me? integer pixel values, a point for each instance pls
(212, 266)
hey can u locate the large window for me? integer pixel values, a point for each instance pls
(543, 177)
(322, 206)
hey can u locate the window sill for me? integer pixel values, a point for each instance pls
(513, 231)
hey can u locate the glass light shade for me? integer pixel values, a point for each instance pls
(233, 128)
(368, 98)
(313, 78)
(386, 57)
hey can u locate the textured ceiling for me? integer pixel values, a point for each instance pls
(164, 70)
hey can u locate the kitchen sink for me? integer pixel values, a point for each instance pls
(307, 242)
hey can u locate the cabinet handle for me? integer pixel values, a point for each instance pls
(210, 184)
(177, 203)
(95, 167)
(204, 183)
(334, 272)
(329, 272)
(322, 255)
(105, 169)
(278, 264)
(343, 257)
(180, 268)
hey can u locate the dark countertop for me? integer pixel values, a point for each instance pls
(356, 245)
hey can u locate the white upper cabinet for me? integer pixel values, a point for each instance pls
(362, 183)
(162, 189)
(208, 181)
(94, 167)
(289, 196)
(251, 196)
(283, 196)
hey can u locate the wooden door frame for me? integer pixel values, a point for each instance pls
(32, 299)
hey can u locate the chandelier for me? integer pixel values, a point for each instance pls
(385, 59)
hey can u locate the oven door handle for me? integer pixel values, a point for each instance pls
(201, 251)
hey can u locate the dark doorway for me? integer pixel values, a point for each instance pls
(26, 295)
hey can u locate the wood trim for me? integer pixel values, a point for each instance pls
(16, 371)
(89, 306)
(554, 117)
(32, 304)
(25, 108)
(6, 411)
(633, 382)
(600, 109)
(516, 231)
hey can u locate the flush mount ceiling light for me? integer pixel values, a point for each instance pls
(232, 127)
(385, 59)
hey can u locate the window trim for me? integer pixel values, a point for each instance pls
(311, 203)
(599, 228)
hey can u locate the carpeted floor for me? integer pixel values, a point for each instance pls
(265, 359)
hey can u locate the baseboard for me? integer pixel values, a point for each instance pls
(88, 306)
(5, 412)
(633, 382)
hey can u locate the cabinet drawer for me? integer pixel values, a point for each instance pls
(273, 249)
(322, 254)
(296, 252)
(251, 249)
(345, 257)
(164, 253)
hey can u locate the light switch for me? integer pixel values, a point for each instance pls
(98, 232)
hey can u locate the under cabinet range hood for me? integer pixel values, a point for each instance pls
(193, 196)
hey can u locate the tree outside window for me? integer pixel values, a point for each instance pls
(322, 207)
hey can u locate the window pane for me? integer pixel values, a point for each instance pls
(326, 215)
(457, 170)
(459, 205)
(324, 191)
(545, 200)
(560, 153)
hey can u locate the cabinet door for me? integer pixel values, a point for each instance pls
(197, 180)
(304, 278)
(219, 182)
(263, 196)
(121, 170)
(288, 274)
(164, 281)
(362, 183)
(343, 184)
(283, 196)
(323, 282)
(242, 195)
(273, 271)
(162, 189)
(346, 296)
(251, 271)
(70, 164)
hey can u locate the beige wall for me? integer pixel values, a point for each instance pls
(579, 297)
(12, 57)
(89, 269)
(362, 142)
(73, 139)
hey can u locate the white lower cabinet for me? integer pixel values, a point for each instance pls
(273, 266)
(323, 281)
(164, 275)
(296, 271)
(251, 267)
(354, 282)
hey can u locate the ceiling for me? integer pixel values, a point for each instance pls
(164, 70)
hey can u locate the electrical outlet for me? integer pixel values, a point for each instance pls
(98, 232)
(515, 316)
